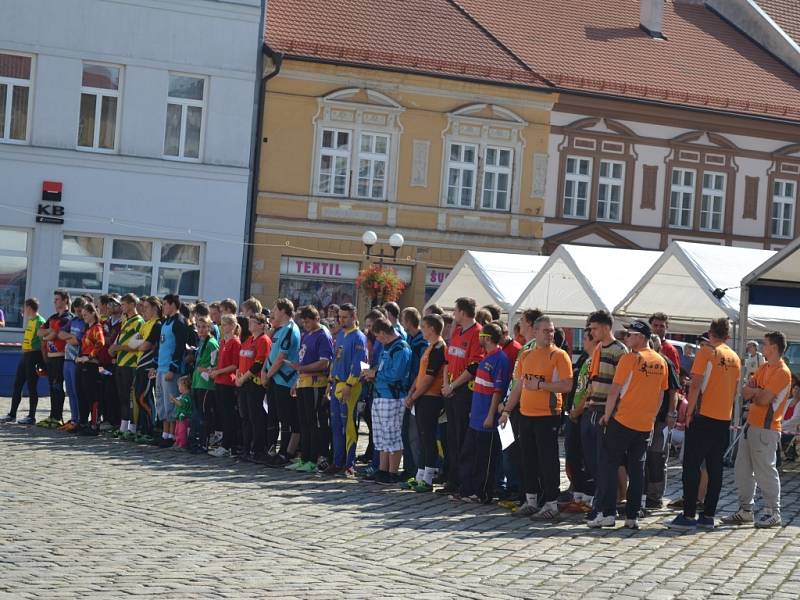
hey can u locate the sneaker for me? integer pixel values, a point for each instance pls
(474, 499)
(682, 523)
(368, 474)
(70, 427)
(631, 524)
(307, 467)
(423, 488)
(276, 462)
(704, 522)
(7, 419)
(602, 521)
(768, 520)
(219, 452)
(293, 466)
(409, 484)
(526, 510)
(114, 433)
(273, 450)
(87, 431)
(322, 465)
(142, 438)
(446, 490)
(216, 438)
(166, 443)
(653, 504)
(332, 470)
(454, 497)
(740, 517)
(127, 436)
(384, 478)
(548, 511)
(677, 503)
(25, 421)
(507, 504)
(348, 473)
(47, 423)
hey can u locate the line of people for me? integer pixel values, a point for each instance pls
(287, 388)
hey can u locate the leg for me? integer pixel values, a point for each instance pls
(590, 443)
(718, 443)
(271, 419)
(656, 465)
(637, 455)
(323, 424)
(245, 428)
(258, 418)
(19, 382)
(122, 379)
(70, 380)
(351, 430)
(305, 406)
(743, 472)
(467, 464)
(55, 376)
(527, 452)
(84, 398)
(549, 467)
(696, 449)
(766, 473)
(612, 450)
(338, 418)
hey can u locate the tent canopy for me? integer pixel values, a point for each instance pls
(489, 277)
(578, 280)
(682, 284)
(776, 282)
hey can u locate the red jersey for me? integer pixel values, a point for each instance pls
(464, 350)
(55, 323)
(669, 352)
(228, 355)
(93, 341)
(511, 350)
(252, 355)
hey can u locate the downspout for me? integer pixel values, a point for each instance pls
(255, 158)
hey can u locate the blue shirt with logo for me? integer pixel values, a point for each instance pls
(285, 339)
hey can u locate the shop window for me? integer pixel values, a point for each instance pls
(13, 274)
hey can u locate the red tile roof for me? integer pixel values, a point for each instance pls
(582, 45)
(426, 36)
(786, 13)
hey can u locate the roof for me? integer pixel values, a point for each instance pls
(599, 47)
(786, 13)
(578, 280)
(489, 277)
(425, 36)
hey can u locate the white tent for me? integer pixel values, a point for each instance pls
(684, 281)
(578, 280)
(489, 277)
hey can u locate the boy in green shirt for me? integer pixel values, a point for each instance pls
(183, 412)
(28, 365)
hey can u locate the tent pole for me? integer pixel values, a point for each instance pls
(741, 345)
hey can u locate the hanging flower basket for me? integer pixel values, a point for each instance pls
(380, 283)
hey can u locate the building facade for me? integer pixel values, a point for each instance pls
(125, 134)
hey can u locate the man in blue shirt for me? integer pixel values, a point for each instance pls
(481, 450)
(279, 378)
(169, 360)
(392, 310)
(350, 351)
(392, 381)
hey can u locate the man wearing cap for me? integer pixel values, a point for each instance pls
(631, 407)
(712, 391)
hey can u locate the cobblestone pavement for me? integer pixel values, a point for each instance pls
(115, 520)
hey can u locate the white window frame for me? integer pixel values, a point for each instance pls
(577, 178)
(711, 194)
(17, 254)
(611, 182)
(373, 158)
(461, 166)
(681, 189)
(99, 93)
(184, 103)
(11, 83)
(334, 153)
(497, 171)
(155, 264)
(784, 200)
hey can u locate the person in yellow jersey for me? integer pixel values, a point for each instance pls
(631, 408)
(712, 391)
(768, 392)
(26, 369)
(127, 357)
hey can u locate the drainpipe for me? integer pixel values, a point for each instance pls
(255, 161)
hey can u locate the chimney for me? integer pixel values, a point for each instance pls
(651, 17)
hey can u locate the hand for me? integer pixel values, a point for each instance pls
(409, 402)
(447, 390)
(503, 420)
(488, 422)
(213, 374)
(689, 419)
(63, 335)
(169, 376)
(573, 415)
(239, 381)
(670, 421)
(294, 366)
(530, 384)
(603, 420)
(151, 373)
(346, 389)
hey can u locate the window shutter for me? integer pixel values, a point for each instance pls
(750, 198)
(649, 177)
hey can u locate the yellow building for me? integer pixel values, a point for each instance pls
(452, 155)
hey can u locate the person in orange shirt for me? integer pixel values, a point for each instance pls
(712, 391)
(541, 376)
(768, 391)
(631, 408)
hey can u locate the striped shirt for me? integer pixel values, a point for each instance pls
(601, 374)
(127, 331)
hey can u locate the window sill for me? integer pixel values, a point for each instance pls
(181, 159)
(15, 142)
(96, 150)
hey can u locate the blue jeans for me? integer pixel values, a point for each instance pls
(71, 381)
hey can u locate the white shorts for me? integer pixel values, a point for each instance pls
(387, 424)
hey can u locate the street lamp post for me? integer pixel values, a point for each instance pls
(370, 238)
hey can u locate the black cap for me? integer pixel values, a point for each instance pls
(639, 327)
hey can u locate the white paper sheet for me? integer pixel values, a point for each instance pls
(506, 435)
(364, 366)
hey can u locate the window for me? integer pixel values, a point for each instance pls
(13, 274)
(609, 191)
(783, 201)
(144, 267)
(334, 163)
(712, 201)
(15, 89)
(373, 155)
(681, 198)
(99, 114)
(497, 178)
(462, 165)
(576, 187)
(183, 135)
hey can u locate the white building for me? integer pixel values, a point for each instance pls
(142, 113)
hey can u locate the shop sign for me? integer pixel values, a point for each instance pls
(435, 277)
(295, 266)
(50, 209)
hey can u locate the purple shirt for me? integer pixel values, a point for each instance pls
(315, 346)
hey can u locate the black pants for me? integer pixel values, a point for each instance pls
(457, 408)
(89, 391)
(109, 404)
(427, 410)
(478, 463)
(368, 393)
(123, 379)
(143, 396)
(592, 441)
(253, 418)
(271, 423)
(538, 439)
(655, 470)
(582, 480)
(286, 407)
(202, 415)
(227, 411)
(55, 376)
(622, 445)
(26, 374)
(706, 439)
(315, 427)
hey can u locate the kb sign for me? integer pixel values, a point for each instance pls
(48, 211)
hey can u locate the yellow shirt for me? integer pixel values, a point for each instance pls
(644, 376)
(720, 369)
(30, 337)
(778, 380)
(548, 365)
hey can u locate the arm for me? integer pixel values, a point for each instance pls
(611, 403)
(488, 423)
(511, 403)
(276, 366)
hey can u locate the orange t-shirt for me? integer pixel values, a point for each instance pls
(778, 380)
(547, 365)
(720, 369)
(644, 376)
